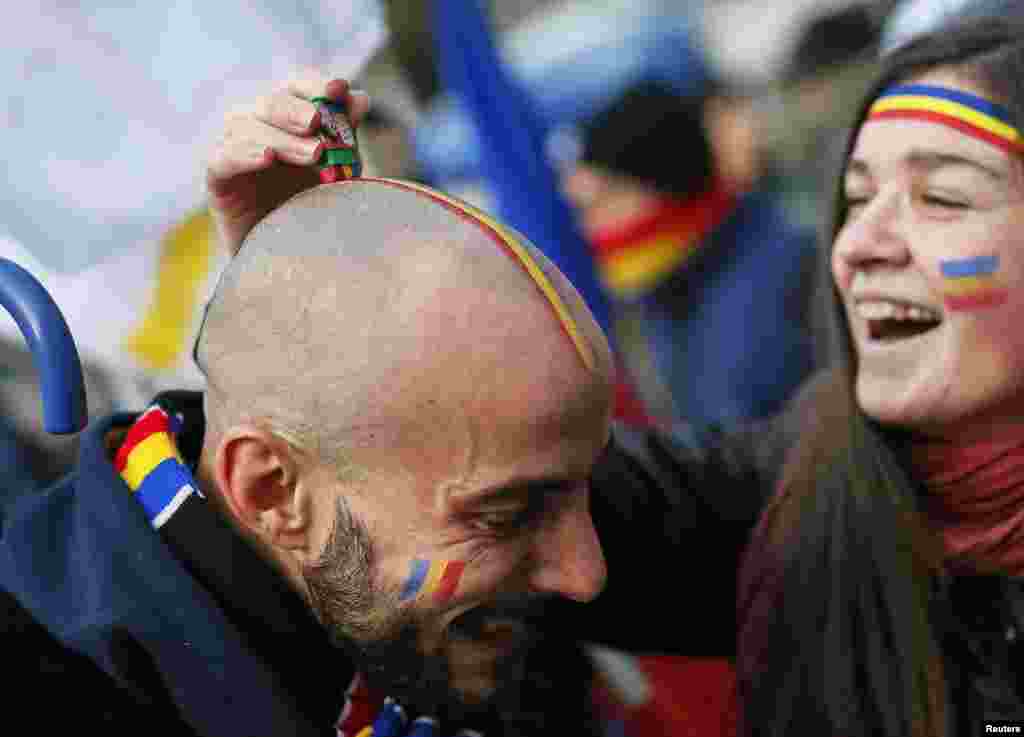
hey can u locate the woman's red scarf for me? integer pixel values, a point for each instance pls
(975, 501)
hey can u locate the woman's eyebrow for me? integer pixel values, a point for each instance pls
(929, 161)
(925, 161)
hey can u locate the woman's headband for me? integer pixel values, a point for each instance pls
(970, 114)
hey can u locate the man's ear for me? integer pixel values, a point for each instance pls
(258, 476)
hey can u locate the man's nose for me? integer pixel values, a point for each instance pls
(569, 560)
(873, 235)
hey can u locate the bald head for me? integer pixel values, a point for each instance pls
(356, 304)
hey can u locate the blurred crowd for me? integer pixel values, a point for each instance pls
(683, 196)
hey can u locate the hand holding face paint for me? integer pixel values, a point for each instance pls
(268, 150)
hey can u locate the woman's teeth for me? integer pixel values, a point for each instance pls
(896, 311)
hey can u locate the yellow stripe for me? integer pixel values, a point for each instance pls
(365, 731)
(535, 272)
(146, 456)
(434, 576)
(947, 107)
(634, 269)
(968, 285)
(185, 262)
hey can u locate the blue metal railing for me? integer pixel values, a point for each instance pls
(52, 347)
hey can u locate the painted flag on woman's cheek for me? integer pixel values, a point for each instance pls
(972, 283)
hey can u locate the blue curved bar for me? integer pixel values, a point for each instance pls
(53, 349)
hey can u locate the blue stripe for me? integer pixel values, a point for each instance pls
(420, 568)
(390, 721)
(978, 266)
(160, 486)
(944, 93)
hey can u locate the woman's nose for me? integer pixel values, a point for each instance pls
(871, 236)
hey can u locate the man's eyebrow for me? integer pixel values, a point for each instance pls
(519, 488)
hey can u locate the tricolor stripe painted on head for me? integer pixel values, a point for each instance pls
(510, 244)
(967, 113)
(971, 283)
(438, 579)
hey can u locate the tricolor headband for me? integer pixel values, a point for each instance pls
(970, 114)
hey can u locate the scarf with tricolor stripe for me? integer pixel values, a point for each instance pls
(149, 462)
(636, 256)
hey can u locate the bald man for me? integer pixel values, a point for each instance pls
(406, 407)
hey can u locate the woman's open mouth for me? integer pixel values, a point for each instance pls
(890, 320)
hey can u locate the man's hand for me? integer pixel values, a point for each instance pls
(267, 153)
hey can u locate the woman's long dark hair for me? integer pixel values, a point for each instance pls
(837, 600)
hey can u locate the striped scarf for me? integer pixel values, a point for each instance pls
(149, 462)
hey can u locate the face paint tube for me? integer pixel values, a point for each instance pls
(340, 159)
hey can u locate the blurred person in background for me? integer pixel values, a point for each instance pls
(709, 281)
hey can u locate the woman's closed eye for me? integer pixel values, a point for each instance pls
(855, 202)
(945, 201)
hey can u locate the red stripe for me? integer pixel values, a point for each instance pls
(966, 302)
(449, 580)
(992, 298)
(961, 125)
(331, 174)
(689, 220)
(154, 420)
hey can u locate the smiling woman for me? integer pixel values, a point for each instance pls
(911, 490)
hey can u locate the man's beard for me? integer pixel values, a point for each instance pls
(368, 623)
(384, 640)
